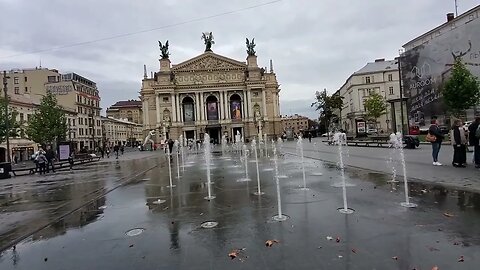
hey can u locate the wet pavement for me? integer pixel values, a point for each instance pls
(442, 231)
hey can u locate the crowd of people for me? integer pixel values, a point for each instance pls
(461, 137)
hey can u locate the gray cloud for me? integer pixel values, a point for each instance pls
(314, 44)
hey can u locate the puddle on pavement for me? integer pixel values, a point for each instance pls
(443, 227)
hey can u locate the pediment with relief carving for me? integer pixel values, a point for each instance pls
(209, 61)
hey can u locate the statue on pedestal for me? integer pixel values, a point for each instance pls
(208, 39)
(250, 47)
(164, 49)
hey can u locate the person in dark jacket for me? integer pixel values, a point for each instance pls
(475, 141)
(437, 144)
(459, 143)
(170, 147)
(115, 149)
(50, 155)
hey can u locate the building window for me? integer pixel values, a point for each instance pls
(367, 79)
(26, 80)
(390, 77)
(52, 79)
(21, 118)
(26, 89)
(390, 89)
(73, 122)
(255, 93)
(165, 99)
(15, 80)
(17, 90)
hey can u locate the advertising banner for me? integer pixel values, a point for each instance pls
(63, 151)
(188, 111)
(235, 108)
(212, 111)
(426, 68)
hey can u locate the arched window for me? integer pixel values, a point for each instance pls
(236, 107)
(188, 109)
(212, 108)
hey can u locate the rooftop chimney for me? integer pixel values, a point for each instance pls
(450, 17)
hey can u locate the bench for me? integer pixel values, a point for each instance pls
(58, 165)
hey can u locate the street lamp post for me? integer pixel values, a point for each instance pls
(7, 118)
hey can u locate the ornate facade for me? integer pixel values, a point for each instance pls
(211, 94)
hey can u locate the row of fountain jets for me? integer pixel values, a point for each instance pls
(339, 140)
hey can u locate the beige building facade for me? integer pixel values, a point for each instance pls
(127, 109)
(77, 93)
(121, 132)
(212, 94)
(381, 77)
(296, 123)
(26, 87)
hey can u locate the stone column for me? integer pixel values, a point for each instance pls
(179, 108)
(222, 106)
(202, 108)
(244, 105)
(227, 107)
(197, 107)
(174, 111)
(264, 103)
(157, 107)
(147, 115)
(249, 103)
(275, 109)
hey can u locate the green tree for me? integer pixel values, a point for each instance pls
(461, 91)
(11, 119)
(48, 124)
(326, 104)
(375, 107)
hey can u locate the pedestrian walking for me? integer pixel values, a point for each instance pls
(474, 140)
(309, 135)
(115, 149)
(435, 137)
(70, 160)
(108, 152)
(459, 142)
(102, 151)
(122, 149)
(170, 148)
(50, 155)
(42, 161)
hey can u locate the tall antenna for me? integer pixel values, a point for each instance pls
(456, 8)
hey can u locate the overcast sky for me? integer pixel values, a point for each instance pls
(313, 44)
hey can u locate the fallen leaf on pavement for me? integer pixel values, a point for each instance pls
(435, 268)
(395, 258)
(338, 239)
(329, 238)
(456, 243)
(448, 214)
(236, 253)
(354, 250)
(461, 259)
(270, 243)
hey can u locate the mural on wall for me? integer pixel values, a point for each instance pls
(427, 67)
(235, 108)
(212, 111)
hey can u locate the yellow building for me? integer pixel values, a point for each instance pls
(127, 109)
(212, 94)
